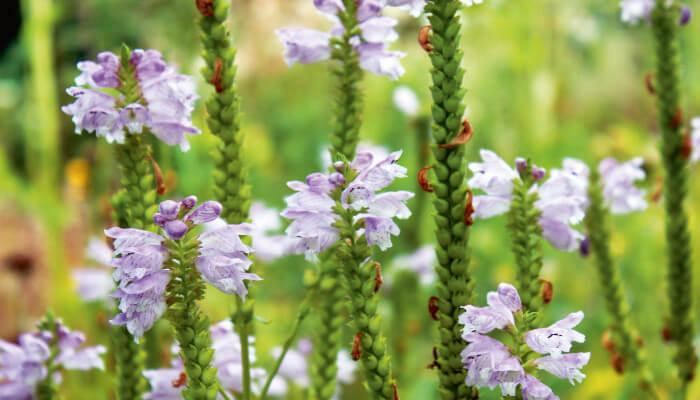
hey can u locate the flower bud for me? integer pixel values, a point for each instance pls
(686, 15)
(189, 202)
(169, 209)
(175, 229)
(538, 173)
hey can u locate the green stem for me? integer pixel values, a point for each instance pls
(46, 388)
(329, 330)
(348, 101)
(360, 278)
(303, 311)
(230, 174)
(680, 280)
(185, 291)
(526, 243)
(626, 342)
(455, 285)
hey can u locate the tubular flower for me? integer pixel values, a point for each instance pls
(619, 191)
(164, 103)
(491, 363)
(307, 46)
(314, 207)
(140, 258)
(561, 198)
(25, 364)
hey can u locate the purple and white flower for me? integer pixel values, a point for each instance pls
(24, 365)
(561, 198)
(294, 365)
(491, 363)
(140, 257)
(634, 11)
(95, 284)
(165, 105)
(619, 190)
(307, 46)
(312, 207)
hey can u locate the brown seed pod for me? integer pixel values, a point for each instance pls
(396, 391)
(433, 308)
(378, 278)
(687, 146)
(469, 209)
(216, 79)
(424, 38)
(547, 291)
(435, 363)
(206, 7)
(677, 119)
(666, 334)
(356, 351)
(423, 181)
(607, 341)
(649, 82)
(658, 190)
(160, 182)
(464, 136)
(180, 381)
(618, 363)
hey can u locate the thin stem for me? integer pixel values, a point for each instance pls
(304, 309)
(245, 351)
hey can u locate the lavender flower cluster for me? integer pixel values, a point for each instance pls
(164, 104)
(492, 363)
(141, 257)
(24, 365)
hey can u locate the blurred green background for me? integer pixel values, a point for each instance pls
(546, 79)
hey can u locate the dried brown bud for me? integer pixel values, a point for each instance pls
(216, 77)
(687, 146)
(658, 190)
(206, 7)
(464, 136)
(180, 381)
(469, 209)
(433, 307)
(435, 363)
(423, 181)
(160, 182)
(378, 278)
(649, 82)
(396, 391)
(607, 341)
(547, 291)
(424, 38)
(640, 341)
(356, 351)
(666, 334)
(677, 118)
(618, 363)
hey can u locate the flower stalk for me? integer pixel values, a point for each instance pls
(664, 22)
(184, 292)
(626, 340)
(230, 174)
(526, 242)
(348, 102)
(455, 284)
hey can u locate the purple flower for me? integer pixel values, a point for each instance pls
(634, 11)
(102, 74)
(498, 315)
(566, 366)
(304, 45)
(619, 191)
(140, 257)
(562, 197)
(533, 389)
(482, 358)
(161, 381)
(293, 367)
(695, 140)
(414, 7)
(269, 247)
(166, 104)
(93, 284)
(686, 15)
(421, 261)
(311, 208)
(557, 338)
(73, 358)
